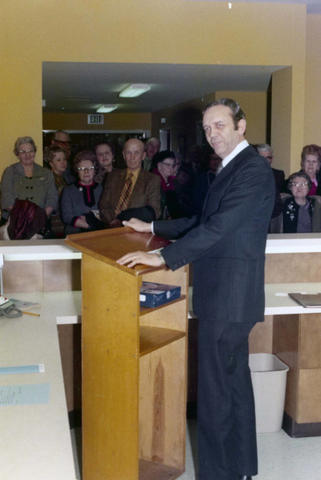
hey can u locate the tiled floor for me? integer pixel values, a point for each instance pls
(280, 456)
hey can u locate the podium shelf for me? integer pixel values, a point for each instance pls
(146, 310)
(152, 338)
(157, 471)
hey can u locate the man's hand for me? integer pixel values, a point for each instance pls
(138, 225)
(134, 258)
(115, 223)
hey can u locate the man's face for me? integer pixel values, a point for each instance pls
(266, 154)
(152, 148)
(134, 153)
(104, 156)
(220, 130)
(62, 140)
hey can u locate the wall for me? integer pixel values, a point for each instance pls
(195, 32)
(254, 106)
(112, 121)
(312, 132)
(281, 120)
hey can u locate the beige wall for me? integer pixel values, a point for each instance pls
(312, 132)
(125, 31)
(113, 121)
(281, 119)
(254, 106)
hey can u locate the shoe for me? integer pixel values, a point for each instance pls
(245, 477)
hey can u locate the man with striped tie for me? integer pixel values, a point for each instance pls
(131, 192)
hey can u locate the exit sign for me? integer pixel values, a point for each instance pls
(96, 119)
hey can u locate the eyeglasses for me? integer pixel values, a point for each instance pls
(25, 152)
(301, 184)
(85, 169)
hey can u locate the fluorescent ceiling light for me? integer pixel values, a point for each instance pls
(106, 108)
(134, 90)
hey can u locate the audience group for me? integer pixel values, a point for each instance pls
(72, 195)
(297, 207)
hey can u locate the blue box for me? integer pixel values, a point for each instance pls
(156, 294)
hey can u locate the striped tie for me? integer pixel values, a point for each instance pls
(125, 195)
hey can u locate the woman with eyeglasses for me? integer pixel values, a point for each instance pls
(165, 162)
(79, 201)
(26, 180)
(301, 213)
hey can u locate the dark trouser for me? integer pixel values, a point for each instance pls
(226, 417)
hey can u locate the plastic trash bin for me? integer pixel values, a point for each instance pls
(269, 383)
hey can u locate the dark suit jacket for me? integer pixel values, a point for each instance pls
(279, 178)
(146, 193)
(227, 243)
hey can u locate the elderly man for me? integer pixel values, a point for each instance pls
(62, 139)
(152, 147)
(226, 245)
(131, 192)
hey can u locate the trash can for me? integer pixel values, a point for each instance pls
(269, 383)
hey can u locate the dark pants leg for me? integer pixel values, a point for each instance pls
(226, 417)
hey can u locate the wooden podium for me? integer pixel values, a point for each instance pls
(133, 363)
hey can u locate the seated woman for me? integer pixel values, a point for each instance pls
(79, 201)
(301, 214)
(57, 161)
(105, 154)
(310, 163)
(26, 180)
(165, 162)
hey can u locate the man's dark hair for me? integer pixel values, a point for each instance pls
(106, 142)
(236, 111)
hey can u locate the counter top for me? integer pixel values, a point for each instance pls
(35, 442)
(19, 250)
(293, 243)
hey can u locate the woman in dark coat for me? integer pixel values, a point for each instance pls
(79, 201)
(301, 213)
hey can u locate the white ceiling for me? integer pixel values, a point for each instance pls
(83, 87)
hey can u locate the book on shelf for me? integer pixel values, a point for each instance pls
(156, 294)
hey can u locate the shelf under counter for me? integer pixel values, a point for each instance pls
(146, 310)
(278, 302)
(152, 338)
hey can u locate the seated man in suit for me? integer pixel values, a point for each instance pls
(132, 191)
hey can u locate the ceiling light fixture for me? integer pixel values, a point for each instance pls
(106, 108)
(134, 90)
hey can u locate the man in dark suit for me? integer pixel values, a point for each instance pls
(226, 245)
(131, 188)
(266, 151)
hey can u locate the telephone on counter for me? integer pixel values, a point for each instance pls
(8, 308)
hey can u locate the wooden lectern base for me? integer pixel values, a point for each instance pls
(157, 471)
